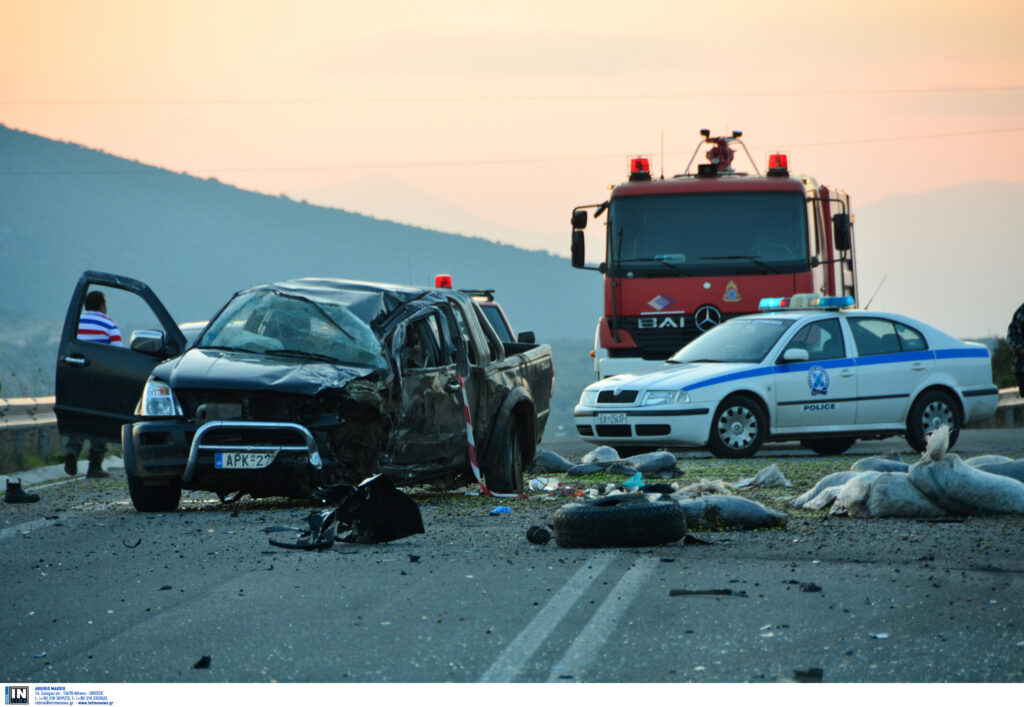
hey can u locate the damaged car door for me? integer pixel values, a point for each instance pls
(430, 434)
(98, 384)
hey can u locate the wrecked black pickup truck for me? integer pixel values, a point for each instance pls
(299, 385)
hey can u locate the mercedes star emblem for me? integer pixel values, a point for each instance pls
(706, 317)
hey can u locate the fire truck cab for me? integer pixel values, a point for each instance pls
(684, 253)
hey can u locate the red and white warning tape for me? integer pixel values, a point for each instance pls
(473, 463)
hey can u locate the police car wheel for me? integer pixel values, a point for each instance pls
(929, 412)
(738, 429)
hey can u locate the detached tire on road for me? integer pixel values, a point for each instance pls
(624, 520)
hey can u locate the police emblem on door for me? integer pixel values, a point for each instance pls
(817, 380)
(732, 292)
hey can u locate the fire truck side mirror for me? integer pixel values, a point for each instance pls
(578, 257)
(841, 231)
(579, 219)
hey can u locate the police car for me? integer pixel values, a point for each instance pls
(806, 368)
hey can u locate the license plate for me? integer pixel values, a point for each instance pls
(244, 460)
(611, 418)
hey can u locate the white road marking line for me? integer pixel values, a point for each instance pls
(592, 638)
(28, 527)
(507, 665)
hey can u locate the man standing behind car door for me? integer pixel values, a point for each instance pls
(1015, 338)
(95, 326)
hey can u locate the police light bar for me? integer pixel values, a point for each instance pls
(804, 301)
(443, 281)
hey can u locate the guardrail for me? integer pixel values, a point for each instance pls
(28, 426)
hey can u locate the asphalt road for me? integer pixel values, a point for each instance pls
(94, 592)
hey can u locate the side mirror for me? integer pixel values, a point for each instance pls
(578, 257)
(795, 355)
(147, 341)
(579, 219)
(526, 337)
(841, 231)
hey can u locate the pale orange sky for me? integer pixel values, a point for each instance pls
(513, 113)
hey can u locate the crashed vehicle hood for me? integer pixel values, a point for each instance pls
(231, 370)
(679, 376)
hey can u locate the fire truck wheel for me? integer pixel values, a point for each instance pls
(739, 428)
(623, 520)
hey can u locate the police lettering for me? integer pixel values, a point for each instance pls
(812, 407)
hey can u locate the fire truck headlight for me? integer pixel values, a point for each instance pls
(664, 397)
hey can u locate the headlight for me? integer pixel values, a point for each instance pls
(158, 400)
(589, 397)
(664, 397)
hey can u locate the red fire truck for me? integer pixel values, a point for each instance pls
(684, 253)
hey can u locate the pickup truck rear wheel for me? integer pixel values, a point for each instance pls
(738, 429)
(507, 474)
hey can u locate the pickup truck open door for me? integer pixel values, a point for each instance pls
(98, 384)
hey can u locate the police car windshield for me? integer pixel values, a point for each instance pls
(734, 341)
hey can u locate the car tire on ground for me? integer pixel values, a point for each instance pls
(738, 429)
(146, 499)
(506, 476)
(930, 411)
(828, 446)
(623, 520)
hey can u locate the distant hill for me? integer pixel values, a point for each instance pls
(953, 258)
(65, 209)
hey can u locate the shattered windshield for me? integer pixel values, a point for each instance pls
(734, 341)
(273, 323)
(707, 234)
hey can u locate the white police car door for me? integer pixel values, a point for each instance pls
(892, 360)
(821, 392)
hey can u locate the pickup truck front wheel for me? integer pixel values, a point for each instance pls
(506, 476)
(146, 499)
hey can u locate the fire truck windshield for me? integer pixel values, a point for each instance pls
(668, 235)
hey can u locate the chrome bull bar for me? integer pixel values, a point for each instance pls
(197, 442)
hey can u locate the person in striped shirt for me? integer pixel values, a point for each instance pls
(94, 325)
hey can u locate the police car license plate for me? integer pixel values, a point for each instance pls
(244, 460)
(611, 418)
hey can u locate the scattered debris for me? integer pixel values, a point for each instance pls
(809, 675)
(706, 593)
(882, 462)
(203, 662)
(538, 535)
(500, 511)
(125, 543)
(600, 454)
(374, 512)
(810, 587)
(16, 494)
(704, 487)
(769, 477)
(879, 636)
(729, 513)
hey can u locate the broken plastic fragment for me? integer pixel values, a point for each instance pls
(500, 510)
